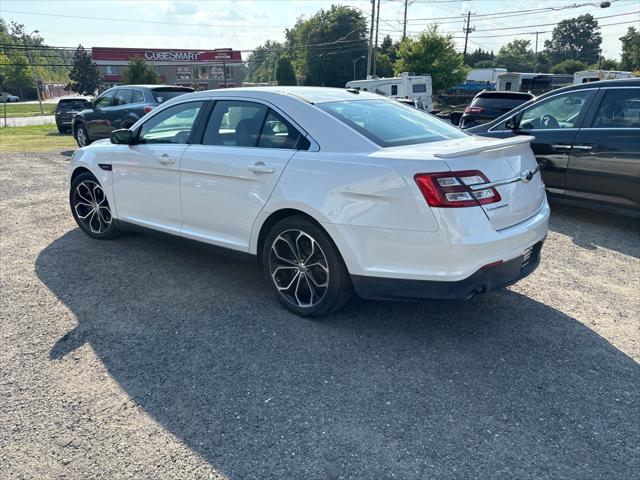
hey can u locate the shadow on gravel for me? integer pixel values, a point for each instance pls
(502, 387)
(591, 229)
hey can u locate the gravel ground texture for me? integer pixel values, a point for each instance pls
(140, 358)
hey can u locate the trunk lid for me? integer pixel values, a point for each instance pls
(509, 161)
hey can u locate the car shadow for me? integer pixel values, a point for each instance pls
(501, 387)
(590, 229)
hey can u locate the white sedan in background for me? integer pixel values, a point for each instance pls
(333, 190)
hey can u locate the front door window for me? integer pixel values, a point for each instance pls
(561, 111)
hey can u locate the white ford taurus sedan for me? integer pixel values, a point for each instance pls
(332, 190)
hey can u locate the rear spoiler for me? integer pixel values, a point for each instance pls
(501, 143)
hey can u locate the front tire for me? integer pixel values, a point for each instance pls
(305, 269)
(82, 136)
(90, 208)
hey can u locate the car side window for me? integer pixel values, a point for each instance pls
(137, 97)
(235, 124)
(561, 111)
(278, 133)
(620, 108)
(122, 97)
(173, 125)
(105, 100)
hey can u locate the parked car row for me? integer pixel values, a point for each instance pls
(9, 98)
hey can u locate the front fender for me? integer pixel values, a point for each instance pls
(90, 158)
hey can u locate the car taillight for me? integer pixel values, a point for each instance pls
(474, 110)
(147, 108)
(451, 189)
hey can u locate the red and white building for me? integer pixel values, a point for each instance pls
(201, 69)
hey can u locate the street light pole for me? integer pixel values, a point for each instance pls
(33, 69)
(354, 65)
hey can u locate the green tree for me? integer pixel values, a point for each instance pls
(576, 39)
(434, 54)
(285, 75)
(85, 76)
(140, 72)
(630, 50)
(384, 65)
(478, 55)
(569, 66)
(325, 45)
(516, 56)
(262, 62)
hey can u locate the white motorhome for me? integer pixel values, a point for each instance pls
(485, 74)
(586, 76)
(416, 87)
(512, 81)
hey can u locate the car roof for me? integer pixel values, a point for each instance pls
(149, 86)
(311, 95)
(619, 82)
(503, 93)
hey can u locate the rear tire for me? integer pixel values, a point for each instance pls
(304, 268)
(91, 209)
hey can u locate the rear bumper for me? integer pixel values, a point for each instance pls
(482, 281)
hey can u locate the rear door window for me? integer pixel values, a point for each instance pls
(620, 108)
(236, 124)
(278, 133)
(122, 97)
(137, 97)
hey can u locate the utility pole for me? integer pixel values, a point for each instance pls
(375, 48)
(33, 69)
(535, 67)
(370, 56)
(404, 28)
(467, 30)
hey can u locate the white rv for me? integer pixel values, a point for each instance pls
(586, 76)
(489, 75)
(416, 87)
(511, 81)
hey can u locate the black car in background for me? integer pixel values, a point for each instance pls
(67, 108)
(120, 107)
(489, 105)
(586, 139)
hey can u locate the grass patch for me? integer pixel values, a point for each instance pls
(36, 138)
(26, 109)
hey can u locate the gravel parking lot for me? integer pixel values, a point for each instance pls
(139, 358)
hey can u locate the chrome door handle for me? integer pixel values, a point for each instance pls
(165, 159)
(260, 167)
(557, 146)
(583, 147)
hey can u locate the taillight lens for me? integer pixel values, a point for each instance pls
(147, 108)
(474, 110)
(451, 189)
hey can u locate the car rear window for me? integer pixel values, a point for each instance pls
(163, 94)
(390, 124)
(498, 102)
(74, 104)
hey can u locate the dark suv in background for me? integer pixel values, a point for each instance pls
(67, 108)
(120, 107)
(489, 105)
(586, 139)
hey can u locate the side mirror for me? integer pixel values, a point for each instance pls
(124, 136)
(512, 123)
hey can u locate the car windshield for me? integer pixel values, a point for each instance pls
(390, 124)
(76, 104)
(163, 94)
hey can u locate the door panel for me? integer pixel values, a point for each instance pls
(97, 121)
(146, 184)
(146, 176)
(224, 188)
(604, 168)
(607, 170)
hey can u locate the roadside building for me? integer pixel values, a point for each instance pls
(200, 69)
